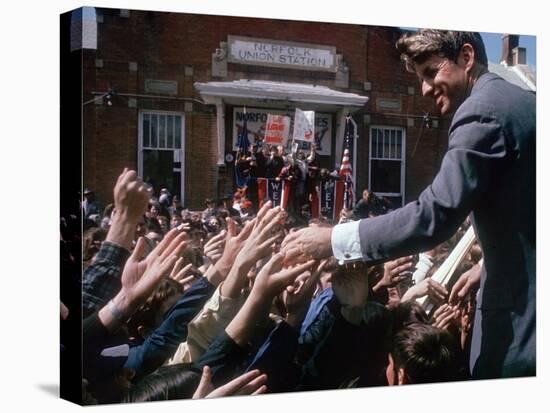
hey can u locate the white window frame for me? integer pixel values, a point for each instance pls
(403, 159)
(182, 149)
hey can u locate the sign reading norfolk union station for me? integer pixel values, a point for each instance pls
(274, 53)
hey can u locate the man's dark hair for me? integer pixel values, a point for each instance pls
(167, 383)
(407, 313)
(427, 354)
(417, 47)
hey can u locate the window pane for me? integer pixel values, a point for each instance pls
(374, 139)
(398, 145)
(386, 176)
(145, 128)
(177, 132)
(381, 144)
(386, 152)
(170, 132)
(392, 144)
(162, 131)
(154, 131)
(395, 201)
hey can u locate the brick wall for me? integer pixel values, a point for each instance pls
(178, 47)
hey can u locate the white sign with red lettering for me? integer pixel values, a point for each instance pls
(304, 125)
(277, 129)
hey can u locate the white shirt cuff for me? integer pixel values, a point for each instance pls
(346, 245)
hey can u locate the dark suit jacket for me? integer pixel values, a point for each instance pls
(489, 171)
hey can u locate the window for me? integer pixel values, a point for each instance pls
(161, 145)
(387, 163)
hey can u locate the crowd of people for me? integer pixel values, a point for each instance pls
(179, 304)
(250, 297)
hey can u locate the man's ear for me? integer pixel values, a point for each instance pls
(466, 57)
(401, 377)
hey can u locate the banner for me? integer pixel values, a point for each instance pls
(277, 129)
(273, 190)
(256, 123)
(304, 125)
(326, 198)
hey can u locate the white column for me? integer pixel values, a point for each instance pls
(220, 121)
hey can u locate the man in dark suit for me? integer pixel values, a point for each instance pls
(488, 171)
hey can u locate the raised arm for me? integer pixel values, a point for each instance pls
(257, 244)
(270, 281)
(476, 155)
(101, 280)
(140, 278)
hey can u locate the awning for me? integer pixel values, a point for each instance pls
(265, 93)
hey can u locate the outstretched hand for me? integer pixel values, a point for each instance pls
(467, 284)
(273, 279)
(264, 234)
(141, 276)
(250, 383)
(297, 296)
(312, 242)
(429, 287)
(213, 249)
(181, 274)
(446, 315)
(258, 244)
(171, 245)
(234, 243)
(393, 272)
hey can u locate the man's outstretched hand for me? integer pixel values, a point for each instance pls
(250, 383)
(313, 243)
(467, 284)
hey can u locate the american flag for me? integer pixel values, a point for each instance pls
(346, 171)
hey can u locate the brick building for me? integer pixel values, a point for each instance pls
(165, 93)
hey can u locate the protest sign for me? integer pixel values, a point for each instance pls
(277, 129)
(304, 129)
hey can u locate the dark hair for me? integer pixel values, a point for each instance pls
(406, 313)
(417, 47)
(167, 383)
(193, 255)
(427, 354)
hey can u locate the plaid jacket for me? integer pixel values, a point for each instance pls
(101, 280)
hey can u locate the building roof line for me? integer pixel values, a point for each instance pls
(292, 92)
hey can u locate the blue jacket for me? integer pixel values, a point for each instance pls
(163, 342)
